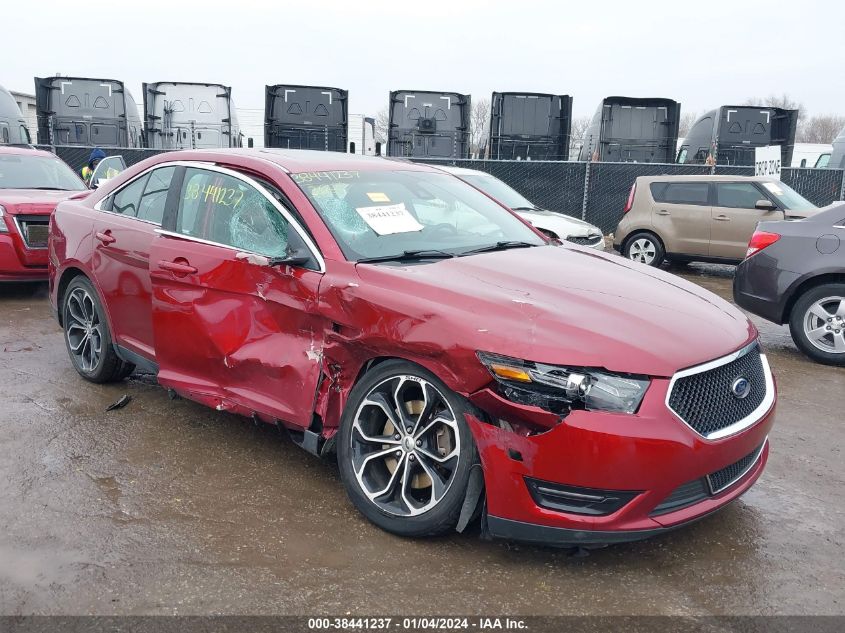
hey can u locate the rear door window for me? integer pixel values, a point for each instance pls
(737, 195)
(127, 200)
(680, 192)
(151, 205)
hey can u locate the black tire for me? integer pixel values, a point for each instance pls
(632, 251)
(678, 263)
(443, 516)
(101, 367)
(801, 314)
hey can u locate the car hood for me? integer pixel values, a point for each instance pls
(35, 201)
(562, 225)
(563, 306)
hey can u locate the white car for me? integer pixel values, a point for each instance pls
(563, 227)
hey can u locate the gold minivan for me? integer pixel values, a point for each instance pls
(701, 218)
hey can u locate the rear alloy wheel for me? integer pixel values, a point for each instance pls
(817, 324)
(405, 451)
(87, 335)
(644, 248)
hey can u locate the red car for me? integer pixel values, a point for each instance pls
(32, 182)
(455, 361)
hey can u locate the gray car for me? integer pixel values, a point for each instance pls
(795, 273)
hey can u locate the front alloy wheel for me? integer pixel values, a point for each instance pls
(817, 323)
(405, 451)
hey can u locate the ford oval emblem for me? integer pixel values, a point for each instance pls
(741, 387)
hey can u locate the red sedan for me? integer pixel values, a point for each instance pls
(32, 182)
(453, 360)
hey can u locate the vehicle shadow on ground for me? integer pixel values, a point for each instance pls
(24, 290)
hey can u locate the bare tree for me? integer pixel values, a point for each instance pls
(821, 128)
(381, 125)
(576, 136)
(479, 123)
(687, 119)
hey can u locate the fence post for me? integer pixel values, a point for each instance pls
(585, 199)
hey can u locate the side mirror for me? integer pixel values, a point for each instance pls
(296, 254)
(378, 149)
(352, 147)
(249, 142)
(293, 258)
(765, 205)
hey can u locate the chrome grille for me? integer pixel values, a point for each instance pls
(729, 475)
(704, 397)
(34, 229)
(585, 240)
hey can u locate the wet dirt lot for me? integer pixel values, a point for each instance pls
(167, 507)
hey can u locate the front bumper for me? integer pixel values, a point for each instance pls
(650, 455)
(18, 263)
(587, 241)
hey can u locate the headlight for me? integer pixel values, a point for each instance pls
(3, 227)
(560, 389)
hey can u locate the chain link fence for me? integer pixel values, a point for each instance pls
(608, 186)
(77, 157)
(554, 185)
(595, 192)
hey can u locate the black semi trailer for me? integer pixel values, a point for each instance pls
(429, 124)
(626, 129)
(88, 112)
(837, 156)
(306, 117)
(728, 135)
(529, 126)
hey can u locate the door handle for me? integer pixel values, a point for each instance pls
(662, 212)
(722, 218)
(105, 237)
(177, 268)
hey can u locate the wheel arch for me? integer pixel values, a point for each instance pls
(633, 234)
(68, 275)
(333, 395)
(804, 285)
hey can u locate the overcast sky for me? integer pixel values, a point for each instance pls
(703, 54)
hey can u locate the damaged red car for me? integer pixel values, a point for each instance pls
(32, 182)
(456, 362)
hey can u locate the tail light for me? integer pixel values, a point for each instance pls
(759, 241)
(630, 202)
(3, 228)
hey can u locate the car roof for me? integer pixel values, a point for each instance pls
(25, 150)
(705, 178)
(461, 171)
(301, 160)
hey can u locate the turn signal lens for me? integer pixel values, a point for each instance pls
(510, 373)
(759, 241)
(3, 228)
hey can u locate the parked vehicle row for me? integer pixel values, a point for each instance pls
(422, 123)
